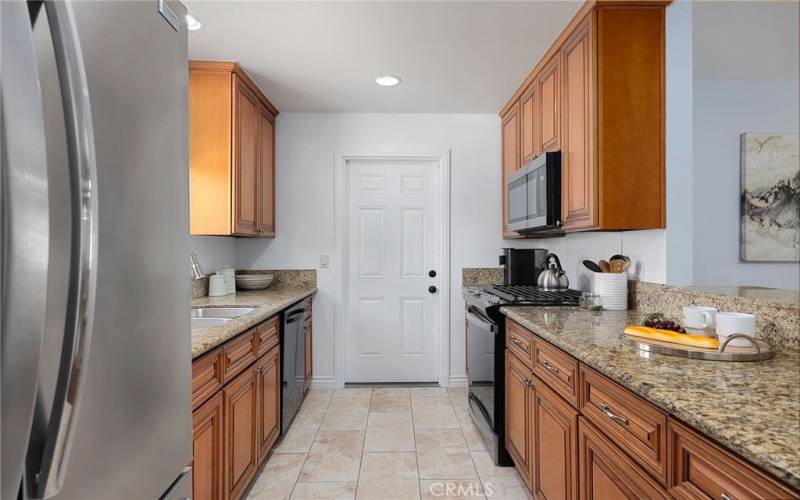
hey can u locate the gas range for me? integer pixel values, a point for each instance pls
(490, 298)
(485, 359)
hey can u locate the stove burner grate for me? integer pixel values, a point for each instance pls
(529, 294)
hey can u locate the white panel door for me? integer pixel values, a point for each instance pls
(392, 243)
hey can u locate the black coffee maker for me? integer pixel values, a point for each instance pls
(521, 266)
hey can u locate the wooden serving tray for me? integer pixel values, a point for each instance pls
(759, 351)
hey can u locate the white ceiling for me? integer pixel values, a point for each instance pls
(460, 57)
(746, 40)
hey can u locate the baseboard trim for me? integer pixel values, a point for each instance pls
(322, 382)
(458, 381)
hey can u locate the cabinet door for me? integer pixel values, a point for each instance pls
(241, 409)
(207, 450)
(606, 473)
(510, 159)
(266, 173)
(309, 359)
(245, 159)
(268, 371)
(549, 84)
(578, 176)
(518, 403)
(554, 442)
(531, 118)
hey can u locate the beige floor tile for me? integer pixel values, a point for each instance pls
(451, 489)
(344, 420)
(301, 433)
(388, 475)
(314, 405)
(436, 416)
(319, 394)
(505, 490)
(458, 396)
(503, 482)
(353, 392)
(442, 453)
(471, 433)
(428, 392)
(390, 399)
(389, 432)
(431, 402)
(349, 404)
(334, 456)
(278, 477)
(325, 491)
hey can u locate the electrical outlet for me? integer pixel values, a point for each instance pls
(323, 262)
(636, 271)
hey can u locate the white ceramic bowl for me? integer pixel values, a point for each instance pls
(253, 281)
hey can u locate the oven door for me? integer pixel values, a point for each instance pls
(481, 332)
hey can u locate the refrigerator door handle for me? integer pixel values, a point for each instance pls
(24, 237)
(83, 251)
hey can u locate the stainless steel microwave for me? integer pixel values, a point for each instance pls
(534, 195)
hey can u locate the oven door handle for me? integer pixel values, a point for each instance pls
(481, 323)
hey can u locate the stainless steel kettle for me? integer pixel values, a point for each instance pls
(553, 277)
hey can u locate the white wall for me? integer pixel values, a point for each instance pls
(306, 145)
(214, 252)
(724, 109)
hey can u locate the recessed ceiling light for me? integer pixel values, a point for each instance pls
(387, 81)
(192, 24)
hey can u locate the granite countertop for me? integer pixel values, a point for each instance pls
(752, 409)
(267, 302)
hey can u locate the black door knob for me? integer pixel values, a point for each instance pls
(432, 273)
(432, 289)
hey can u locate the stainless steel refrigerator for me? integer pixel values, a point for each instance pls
(95, 353)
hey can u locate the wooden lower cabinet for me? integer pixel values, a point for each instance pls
(702, 470)
(235, 428)
(554, 445)
(519, 393)
(241, 412)
(606, 473)
(268, 372)
(207, 432)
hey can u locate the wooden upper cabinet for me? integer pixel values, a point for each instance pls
(577, 165)
(549, 84)
(510, 159)
(245, 158)
(266, 174)
(530, 121)
(597, 95)
(231, 152)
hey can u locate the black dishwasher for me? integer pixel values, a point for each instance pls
(293, 362)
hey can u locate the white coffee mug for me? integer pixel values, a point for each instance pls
(729, 323)
(699, 317)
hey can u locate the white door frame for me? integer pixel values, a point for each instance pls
(442, 159)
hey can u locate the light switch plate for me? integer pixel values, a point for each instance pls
(324, 262)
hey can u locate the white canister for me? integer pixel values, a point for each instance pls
(216, 285)
(230, 280)
(729, 323)
(613, 289)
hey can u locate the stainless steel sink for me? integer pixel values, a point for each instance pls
(209, 322)
(221, 312)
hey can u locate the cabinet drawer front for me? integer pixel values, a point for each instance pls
(701, 469)
(557, 369)
(238, 354)
(267, 333)
(606, 472)
(520, 342)
(636, 425)
(206, 377)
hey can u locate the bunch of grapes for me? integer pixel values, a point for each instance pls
(665, 324)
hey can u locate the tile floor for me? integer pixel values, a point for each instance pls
(388, 443)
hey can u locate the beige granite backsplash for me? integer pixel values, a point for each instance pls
(476, 276)
(282, 278)
(777, 311)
